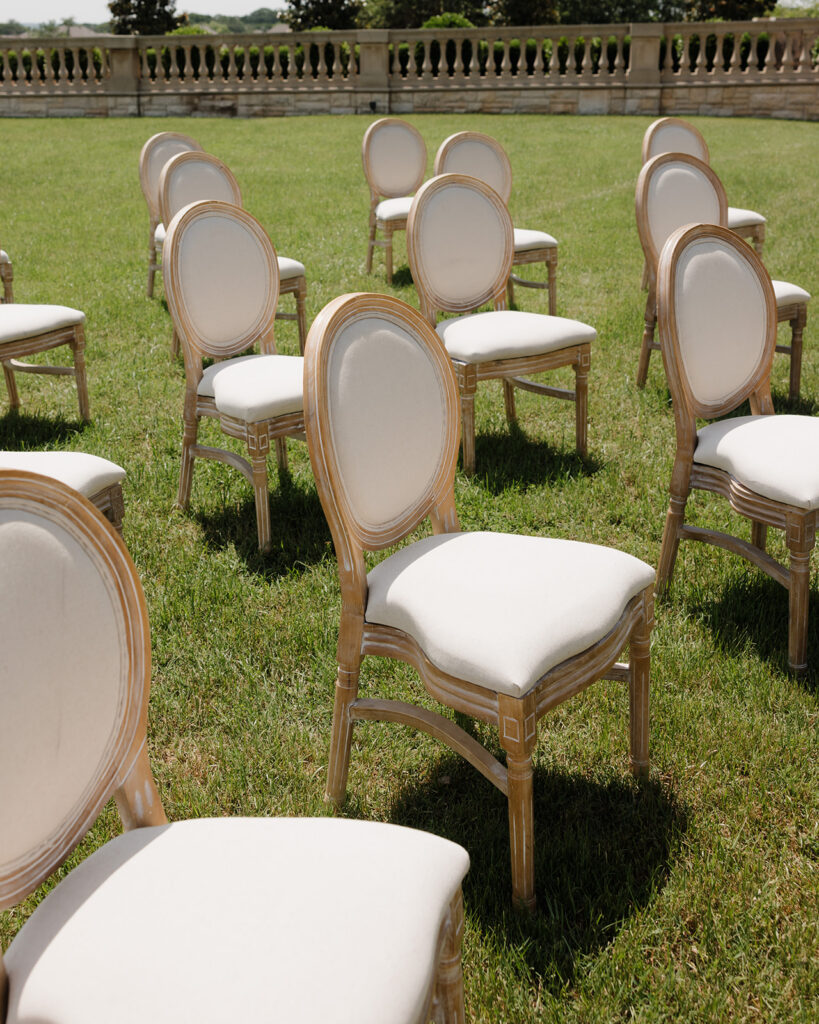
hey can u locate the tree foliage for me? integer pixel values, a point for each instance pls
(302, 15)
(143, 17)
(414, 13)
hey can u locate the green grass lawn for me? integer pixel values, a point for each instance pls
(695, 898)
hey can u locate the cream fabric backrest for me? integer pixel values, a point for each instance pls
(394, 156)
(191, 176)
(381, 407)
(459, 242)
(221, 279)
(478, 155)
(74, 675)
(156, 152)
(717, 317)
(673, 135)
(673, 190)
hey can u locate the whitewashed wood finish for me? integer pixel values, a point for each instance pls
(172, 143)
(387, 228)
(296, 286)
(511, 371)
(256, 436)
(795, 314)
(445, 163)
(12, 353)
(799, 525)
(7, 277)
(127, 775)
(515, 718)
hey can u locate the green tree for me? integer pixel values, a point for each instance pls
(729, 10)
(414, 13)
(302, 15)
(11, 28)
(524, 12)
(143, 17)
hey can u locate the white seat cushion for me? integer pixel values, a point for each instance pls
(772, 455)
(505, 333)
(87, 474)
(738, 218)
(501, 610)
(289, 269)
(787, 294)
(4, 256)
(394, 209)
(159, 235)
(253, 920)
(20, 320)
(255, 388)
(526, 240)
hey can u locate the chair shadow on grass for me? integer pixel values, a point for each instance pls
(22, 431)
(299, 531)
(513, 458)
(750, 609)
(402, 278)
(602, 851)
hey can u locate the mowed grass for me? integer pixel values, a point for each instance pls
(694, 898)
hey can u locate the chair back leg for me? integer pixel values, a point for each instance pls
(800, 538)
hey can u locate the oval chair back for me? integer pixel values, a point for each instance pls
(394, 157)
(478, 155)
(189, 177)
(673, 135)
(156, 152)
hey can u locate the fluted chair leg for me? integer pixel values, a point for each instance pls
(639, 676)
(581, 392)
(349, 645)
(800, 539)
(797, 329)
(78, 350)
(258, 464)
(509, 401)
(448, 998)
(11, 387)
(518, 736)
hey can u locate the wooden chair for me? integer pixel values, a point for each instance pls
(95, 478)
(26, 329)
(673, 135)
(460, 240)
(717, 318)
(500, 627)
(156, 152)
(674, 189)
(219, 309)
(395, 162)
(210, 920)
(485, 158)
(6, 276)
(188, 177)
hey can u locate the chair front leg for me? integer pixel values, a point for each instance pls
(800, 537)
(349, 668)
(371, 239)
(649, 320)
(258, 445)
(11, 387)
(551, 270)
(448, 996)
(581, 400)
(190, 431)
(797, 328)
(671, 541)
(468, 386)
(388, 251)
(518, 736)
(301, 314)
(151, 260)
(78, 350)
(509, 401)
(638, 691)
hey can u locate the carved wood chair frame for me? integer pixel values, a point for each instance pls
(515, 718)
(795, 314)
(513, 371)
(546, 254)
(386, 227)
(256, 436)
(73, 335)
(7, 277)
(799, 525)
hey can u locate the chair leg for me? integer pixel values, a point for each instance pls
(638, 693)
(7, 274)
(581, 401)
(301, 315)
(510, 292)
(190, 431)
(551, 270)
(11, 386)
(149, 291)
(174, 343)
(518, 736)
(758, 237)
(388, 251)
(258, 465)
(468, 427)
(644, 278)
(797, 328)
(448, 997)
(371, 243)
(800, 539)
(759, 535)
(281, 454)
(78, 349)
(349, 668)
(671, 542)
(648, 338)
(509, 401)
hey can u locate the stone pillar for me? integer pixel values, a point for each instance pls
(123, 84)
(643, 79)
(373, 73)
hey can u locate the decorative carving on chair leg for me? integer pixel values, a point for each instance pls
(518, 736)
(581, 391)
(448, 996)
(468, 384)
(649, 319)
(638, 691)
(797, 329)
(388, 251)
(349, 668)
(78, 349)
(258, 445)
(800, 538)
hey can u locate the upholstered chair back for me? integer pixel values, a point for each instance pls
(717, 319)
(156, 152)
(394, 157)
(381, 409)
(191, 176)
(478, 155)
(460, 244)
(74, 675)
(672, 190)
(220, 306)
(673, 135)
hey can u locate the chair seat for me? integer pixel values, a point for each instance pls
(787, 294)
(771, 455)
(88, 474)
(141, 928)
(20, 320)
(527, 240)
(4, 256)
(254, 388)
(739, 218)
(288, 269)
(506, 333)
(159, 235)
(394, 209)
(501, 610)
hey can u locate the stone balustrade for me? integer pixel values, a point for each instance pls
(760, 68)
